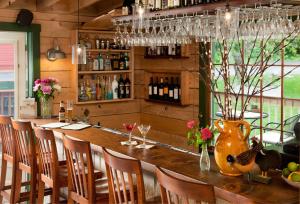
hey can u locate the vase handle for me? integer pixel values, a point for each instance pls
(247, 126)
(216, 123)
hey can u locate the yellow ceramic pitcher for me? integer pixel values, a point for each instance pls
(231, 141)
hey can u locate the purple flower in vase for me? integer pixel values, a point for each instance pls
(46, 90)
(37, 82)
(36, 87)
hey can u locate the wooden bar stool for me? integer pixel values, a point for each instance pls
(84, 184)
(8, 156)
(123, 188)
(53, 173)
(175, 190)
(26, 161)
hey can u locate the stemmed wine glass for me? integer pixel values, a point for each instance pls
(144, 129)
(129, 127)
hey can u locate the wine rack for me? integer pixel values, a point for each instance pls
(89, 76)
(183, 83)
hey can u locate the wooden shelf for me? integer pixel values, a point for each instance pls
(166, 57)
(107, 50)
(165, 102)
(103, 101)
(105, 72)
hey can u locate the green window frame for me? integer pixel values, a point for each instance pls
(33, 47)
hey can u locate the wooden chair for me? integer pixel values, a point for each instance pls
(8, 156)
(26, 161)
(84, 184)
(175, 190)
(53, 172)
(122, 188)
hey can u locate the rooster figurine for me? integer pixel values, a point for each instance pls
(245, 161)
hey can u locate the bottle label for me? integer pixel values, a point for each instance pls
(166, 90)
(121, 90)
(176, 94)
(62, 116)
(171, 93)
(161, 92)
(150, 90)
(155, 90)
(101, 65)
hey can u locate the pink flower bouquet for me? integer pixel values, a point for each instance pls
(199, 136)
(45, 88)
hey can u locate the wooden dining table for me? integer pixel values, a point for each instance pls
(232, 189)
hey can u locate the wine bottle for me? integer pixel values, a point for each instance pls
(93, 88)
(103, 88)
(115, 63)
(170, 3)
(88, 90)
(107, 63)
(109, 89)
(164, 4)
(171, 90)
(177, 3)
(161, 89)
(176, 91)
(62, 112)
(121, 87)
(126, 58)
(184, 3)
(151, 4)
(98, 89)
(158, 4)
(115, 87)
(155, 89)
(166, 89)
(150, 88)
(127, 87)
(100, 62)
(96, 65)
(122, 62)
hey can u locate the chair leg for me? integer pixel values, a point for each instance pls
(32, 195)
(3, 177)
(18, 185)
(41, 192)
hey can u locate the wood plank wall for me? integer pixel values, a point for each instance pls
(168, 122)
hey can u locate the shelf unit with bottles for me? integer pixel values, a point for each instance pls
(183, 81)
(84, 74)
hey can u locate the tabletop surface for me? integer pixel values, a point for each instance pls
(234, 189)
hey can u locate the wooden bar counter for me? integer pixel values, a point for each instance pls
(232, 189)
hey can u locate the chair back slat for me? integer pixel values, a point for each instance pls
(80, 168)
(125, 179)
(175, 190)
(26, 152)
(7, 136)
(47, 150)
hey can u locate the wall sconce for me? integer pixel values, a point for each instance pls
(55, 53)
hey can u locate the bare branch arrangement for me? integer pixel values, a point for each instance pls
(251, 69)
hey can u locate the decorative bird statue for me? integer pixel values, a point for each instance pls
(244, 162)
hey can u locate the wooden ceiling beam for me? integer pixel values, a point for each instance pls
(82, 4)
(44, 4)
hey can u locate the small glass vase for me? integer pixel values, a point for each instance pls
(204, 159)
(46, 107)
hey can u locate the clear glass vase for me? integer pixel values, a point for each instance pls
(204, 159)
(46, 107)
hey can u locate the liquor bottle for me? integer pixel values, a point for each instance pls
(93, 90)
(127, 87)
(90, 63)
(171, 90)
(176, 91)
(62, 113)
(101, 62)
(107, 63)
(166, 89)
(158, 4)
(126, 58)
(88, 90)
(178, 50)
(170, 3)
(164, 4)
(96, 65)
(121, 87)
(161, 89)
(150, 88)
(82, 95)
(122, 62)
(115, 87)
(191, 2)
(177, 3)
(103, 88)
(115, 63)
(151, 4)
(184, 3)
(109, 89)
(155, 89)
(98, 89)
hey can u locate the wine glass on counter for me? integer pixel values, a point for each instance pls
(144, 129)
(70, 105)
(129, 127)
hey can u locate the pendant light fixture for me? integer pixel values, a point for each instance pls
(78, 50)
